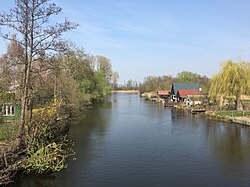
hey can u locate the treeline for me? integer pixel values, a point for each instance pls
(154, 83)
(129, 85)
(70, 76)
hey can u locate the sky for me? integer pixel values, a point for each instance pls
(158, 37)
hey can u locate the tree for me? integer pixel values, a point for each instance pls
(29, 19)
(10, 66)
(232, 80)
(105, 67)
(187, 77)
(190, 77)
(155, 83)
(114, 80)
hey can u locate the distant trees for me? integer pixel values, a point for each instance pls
(154, 83)
(114, 80)
(128, 85)
(187, 77)
(190, 77)
(232, 80)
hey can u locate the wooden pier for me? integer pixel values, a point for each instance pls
(197, 110)
(169, 104)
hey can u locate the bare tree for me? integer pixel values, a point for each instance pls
(29, 20)
(114, 80)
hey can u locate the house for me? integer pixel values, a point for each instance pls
(164, 94)
(193, 100)
(182, 86)
(183, 94)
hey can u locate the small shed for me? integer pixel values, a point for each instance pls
(193, 100)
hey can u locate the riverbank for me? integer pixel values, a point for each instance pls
(242, 120)
(126, 91)
(213, 114)
(46, 149)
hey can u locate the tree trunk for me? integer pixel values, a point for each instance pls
(238, 104)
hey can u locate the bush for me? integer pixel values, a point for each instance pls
(51, 157)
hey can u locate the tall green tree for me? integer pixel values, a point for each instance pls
(105, 67)
(187, 77)
(232, 80)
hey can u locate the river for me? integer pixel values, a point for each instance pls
(129, 142)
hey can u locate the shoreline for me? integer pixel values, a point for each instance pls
(125, 91)
(241, 120)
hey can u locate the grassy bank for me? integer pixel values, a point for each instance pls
(233, 113)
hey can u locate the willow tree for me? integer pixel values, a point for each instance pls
(232, 80)
(29, 21)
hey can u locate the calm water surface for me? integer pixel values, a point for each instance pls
(128, 142)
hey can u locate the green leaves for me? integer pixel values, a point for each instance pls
(232, 80)
(42, 158)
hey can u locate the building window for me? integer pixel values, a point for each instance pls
(8, 110)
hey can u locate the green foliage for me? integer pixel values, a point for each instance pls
(190, 77)
(232, 80)
(153, 83)
(6, 97)
(48, 157)
(187, 77)
(7, 130)
(47, 148)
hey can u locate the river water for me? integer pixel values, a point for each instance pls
(128, 142)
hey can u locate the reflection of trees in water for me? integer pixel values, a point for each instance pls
(33, 180)
(85, 133)
(183, 117)
(230, 142)
(177, 114)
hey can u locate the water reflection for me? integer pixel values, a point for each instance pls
(126, 141)
(231, 143)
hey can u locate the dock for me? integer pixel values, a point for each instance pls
(169, 104)
(197, 110)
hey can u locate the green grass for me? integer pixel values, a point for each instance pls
(233, 113)
(7, 131)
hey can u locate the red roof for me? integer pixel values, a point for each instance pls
(184, 93)
(163, 92)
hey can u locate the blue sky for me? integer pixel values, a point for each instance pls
(159, 37)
